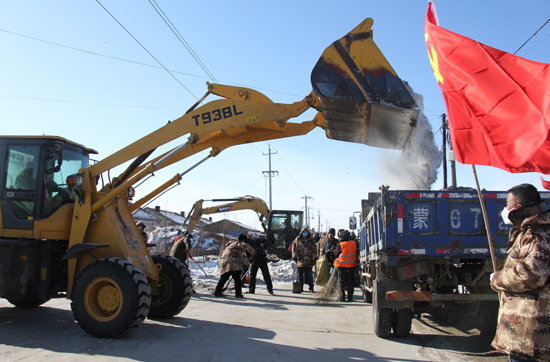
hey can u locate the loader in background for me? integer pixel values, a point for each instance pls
(66, 227)
(280, 226)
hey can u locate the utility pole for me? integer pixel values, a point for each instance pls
(444, 132)
(319, 220)
(307, 213)
(452, 160)
(270, 174)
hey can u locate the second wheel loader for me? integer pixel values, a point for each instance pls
(280, 226)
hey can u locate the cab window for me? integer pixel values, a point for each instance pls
(21, 177)
(22, 167)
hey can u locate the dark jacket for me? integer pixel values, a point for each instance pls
(331, 249)
(260, 256)
(180, 248)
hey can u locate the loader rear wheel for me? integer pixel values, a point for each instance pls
(110, 298)
(402, 322)
(174, 289)
(381, 317)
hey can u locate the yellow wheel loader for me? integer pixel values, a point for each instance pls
(66, 227)
(280, 226)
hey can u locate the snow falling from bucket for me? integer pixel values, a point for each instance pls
(415, 168)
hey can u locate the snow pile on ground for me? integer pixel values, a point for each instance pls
(161, 237)
(281, 271)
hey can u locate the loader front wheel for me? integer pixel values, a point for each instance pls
(110, 298)
(174, 288)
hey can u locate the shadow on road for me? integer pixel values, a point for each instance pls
(463, 337)
(53, 329)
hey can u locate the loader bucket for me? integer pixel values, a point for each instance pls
(362, 98)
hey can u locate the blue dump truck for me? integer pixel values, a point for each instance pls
(428, 252)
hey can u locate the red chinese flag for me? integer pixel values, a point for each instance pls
(498, 103)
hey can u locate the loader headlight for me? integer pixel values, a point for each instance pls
(79, 180)
(75, 180)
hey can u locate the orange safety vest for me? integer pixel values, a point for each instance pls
(347, 258)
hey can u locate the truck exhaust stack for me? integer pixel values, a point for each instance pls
(362, 98)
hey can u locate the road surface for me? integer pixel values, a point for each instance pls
(260, 327)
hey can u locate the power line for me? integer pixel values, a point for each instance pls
(172, 75)
(181, 39)
(289, 174)
(532, 36)
(91, 103)
(143, 64)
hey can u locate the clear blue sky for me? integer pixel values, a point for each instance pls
(105, 103)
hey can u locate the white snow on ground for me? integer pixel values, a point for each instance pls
(160, 237)
(281, 271)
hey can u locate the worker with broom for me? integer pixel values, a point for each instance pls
(232, 264)
(346, 262)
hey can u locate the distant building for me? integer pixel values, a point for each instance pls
(162, 225)
(229, 227)
(155, 217)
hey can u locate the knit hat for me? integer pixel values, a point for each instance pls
(331, 231)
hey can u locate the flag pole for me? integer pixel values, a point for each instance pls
(485, 218)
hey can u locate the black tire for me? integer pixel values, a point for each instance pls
(402, 322)
(174, 290)
(367, 296)
(381, 317)
(489, 317)
(29, 303)
(110, 298)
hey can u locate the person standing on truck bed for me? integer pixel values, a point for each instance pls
(259, 261)
(232, 264)
(523, 330)
(346, 262)
(331, 247)
(304, 252)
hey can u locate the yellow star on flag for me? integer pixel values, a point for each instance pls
(432, 54)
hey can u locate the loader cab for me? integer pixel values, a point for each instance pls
(32, 184)
(283, 227)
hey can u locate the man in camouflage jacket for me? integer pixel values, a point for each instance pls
(523, 329)
(304, 252)
(232, 264)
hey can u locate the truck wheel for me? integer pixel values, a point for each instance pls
(402, 322)
(367, 296)
(381, 317)
(110, 298)
(174, 290)
(489, 317)
(29, 303)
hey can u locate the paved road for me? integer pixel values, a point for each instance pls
(261, 327)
